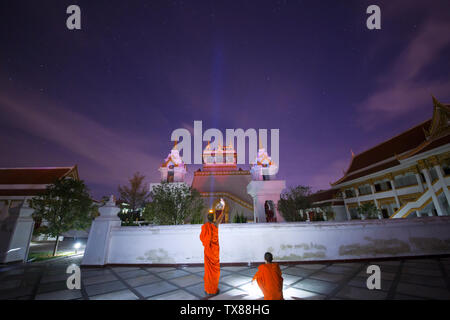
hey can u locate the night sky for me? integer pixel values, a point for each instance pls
(107, 97)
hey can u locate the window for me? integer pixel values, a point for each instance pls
(446, 166)
(383, 186)
(405, 180)
(364, 190)
(350, 193)
(433, 174)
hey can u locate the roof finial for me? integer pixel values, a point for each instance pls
(175, 145)
(353, 154)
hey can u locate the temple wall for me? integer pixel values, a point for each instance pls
(287, 241)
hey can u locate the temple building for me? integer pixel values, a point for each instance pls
(404, 177)
(227, 189)
(17, 187)
(223, 185)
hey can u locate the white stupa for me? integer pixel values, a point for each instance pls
(263, 168)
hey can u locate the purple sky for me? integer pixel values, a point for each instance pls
(108, 97)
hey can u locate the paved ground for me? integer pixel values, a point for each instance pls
(403, 279)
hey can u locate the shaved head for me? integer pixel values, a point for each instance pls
(268, 257)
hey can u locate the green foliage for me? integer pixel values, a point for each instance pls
(173, 204)
(64, 205)
(135, 195)
(239, 218)
(369, 210)
(197, 218)
(292, 201)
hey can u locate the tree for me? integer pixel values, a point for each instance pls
(173, 204)
(64, 205)
(295, 199)
(369, 210)
(135, 195)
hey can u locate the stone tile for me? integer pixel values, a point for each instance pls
(235, 280)
(98, 279)
(249, 272)
(9, 284)
(187, 280)
(160, 269)
(139, 281)
(310, 266)
(299, 294)
(349, 292)
(361, 282)
(175, 295)
(15, 293)
(422, 272)
(339, 269)
(233, 294)
(199, 289)
(133, 274)
(60, 295)
(253, 291)
(353, 265)
(52, 286)
(434, 265)
(87, 273)
(154, 289)
(423, 291)
(125, 269)
(399, 296)
(333, 277)
(237, 268)
(193, 269)
(318, 286)
(423, 280)
(223, 273)
(290, 279)
(299, 272)
(55, 278)
(384, 275)
(105, 287)
(173, 274)
(117, 295)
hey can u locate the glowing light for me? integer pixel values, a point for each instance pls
(77, 245)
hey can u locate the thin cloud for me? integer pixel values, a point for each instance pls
(113, 156)
(401, 90)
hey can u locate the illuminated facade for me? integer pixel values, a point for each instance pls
(222, 184)
(406, 176)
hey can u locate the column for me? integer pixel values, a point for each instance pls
(21, 236)
(436, 203)
(419, 180)
(391, 180)
(99, 235)
(372, 188)
(438, 169)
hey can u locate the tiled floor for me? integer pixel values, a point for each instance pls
(400, 279)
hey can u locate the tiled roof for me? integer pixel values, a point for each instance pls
(324, 195)
(31, 181)
(394, 146)
(34, 175)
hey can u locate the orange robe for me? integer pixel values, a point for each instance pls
(270, 281)
(210, 239)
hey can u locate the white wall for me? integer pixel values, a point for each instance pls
(287, 241)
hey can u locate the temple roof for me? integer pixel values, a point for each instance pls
(425, 136)
(31, 181)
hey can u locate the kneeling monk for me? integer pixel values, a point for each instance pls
(269, 279)
(210, 239)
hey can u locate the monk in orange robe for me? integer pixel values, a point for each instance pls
(210, 239)
(269, 279)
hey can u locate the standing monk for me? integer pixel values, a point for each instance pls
(210, 240)
(269, 279)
